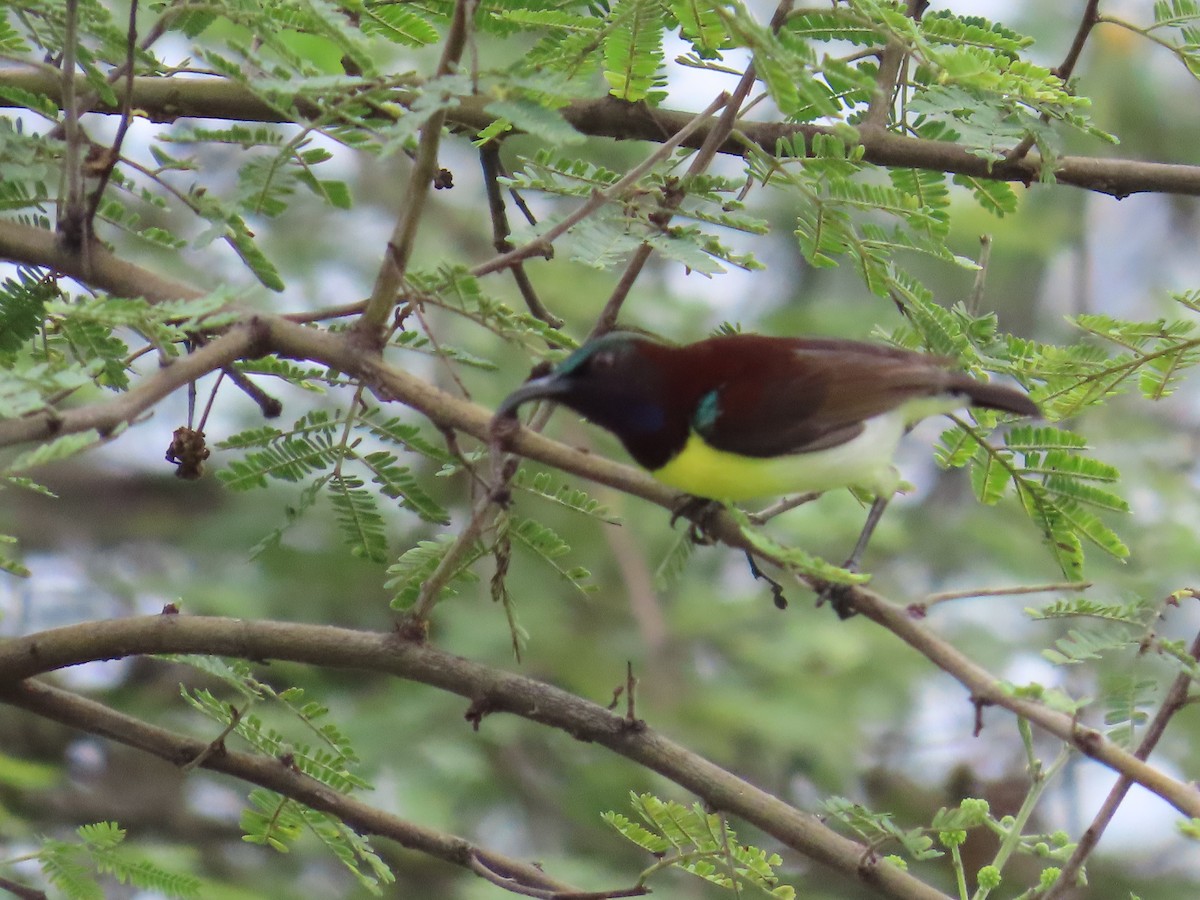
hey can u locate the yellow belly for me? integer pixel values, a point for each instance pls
(864, 462)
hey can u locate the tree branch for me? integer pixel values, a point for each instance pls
(420, 182)
(39, 247)
(265, 334)
(167, 99)
(264, 771)
(988, 691)
(1086, 23)
(105, 417)
(890, 63)
(1175, 699)
(599, 198)
(489, 690)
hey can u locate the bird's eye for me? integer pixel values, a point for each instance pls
(604, 360)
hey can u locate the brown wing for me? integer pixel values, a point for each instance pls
(800, 396)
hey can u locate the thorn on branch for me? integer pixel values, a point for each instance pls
(1086, 739)
(979, 703)
(478, 711)
(632, 722)
(269, 406)
(217, 745)
(412, 629)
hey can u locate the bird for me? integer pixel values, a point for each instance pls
(741, 416)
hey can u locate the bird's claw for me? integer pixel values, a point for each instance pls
(700, 511)
(838, 598)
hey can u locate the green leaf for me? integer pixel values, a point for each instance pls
(53, 451)
(358, 517)
(793, 557)
(242, 241)
(671, 568)
(398, 483)
(397, 23)
(22, 307)
(546, 486)
(547, 546)
(700, 843)
(700, 22)
(416, 564)
(633, 52)
(997, 197)
(536, 119)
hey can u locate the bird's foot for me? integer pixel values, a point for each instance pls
(700, 512)
(838, 597)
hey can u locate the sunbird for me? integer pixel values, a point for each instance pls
(745, 416)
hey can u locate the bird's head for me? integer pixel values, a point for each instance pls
(616, 381)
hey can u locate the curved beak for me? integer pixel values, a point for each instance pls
(545, 388)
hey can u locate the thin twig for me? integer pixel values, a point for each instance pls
(607, 320)
(92, 717)
(212, 398)
(943, 596)
(514, 886)
(1064, 70)
(776, 509)
(400, 246)
(482, 516)
(70, 215)
(270, 406)
(21, 891)
(341, 311)
(1089, 20)
(437, 349)
(975, 298)
(489, 160)
(539, 244)
(114, 152)
(888, 78)
(1175, 700)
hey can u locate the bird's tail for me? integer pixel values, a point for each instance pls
(998, 396)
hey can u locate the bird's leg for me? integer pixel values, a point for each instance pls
(776, 587)
(699, 510)
(836, 593)
(873, 518)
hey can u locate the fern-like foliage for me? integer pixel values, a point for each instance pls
(1127, 709)
(312, 745)
(75, 867)
(418, 563)
(455, 289)
(793, 557)
(879, 829)
(546, 545)
(605, 239)
(12, 475)
(632, 47)
(673, 564)
(700, 843)
(275, 821)
(547, 486)
(1177, 26)
(315, 449)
